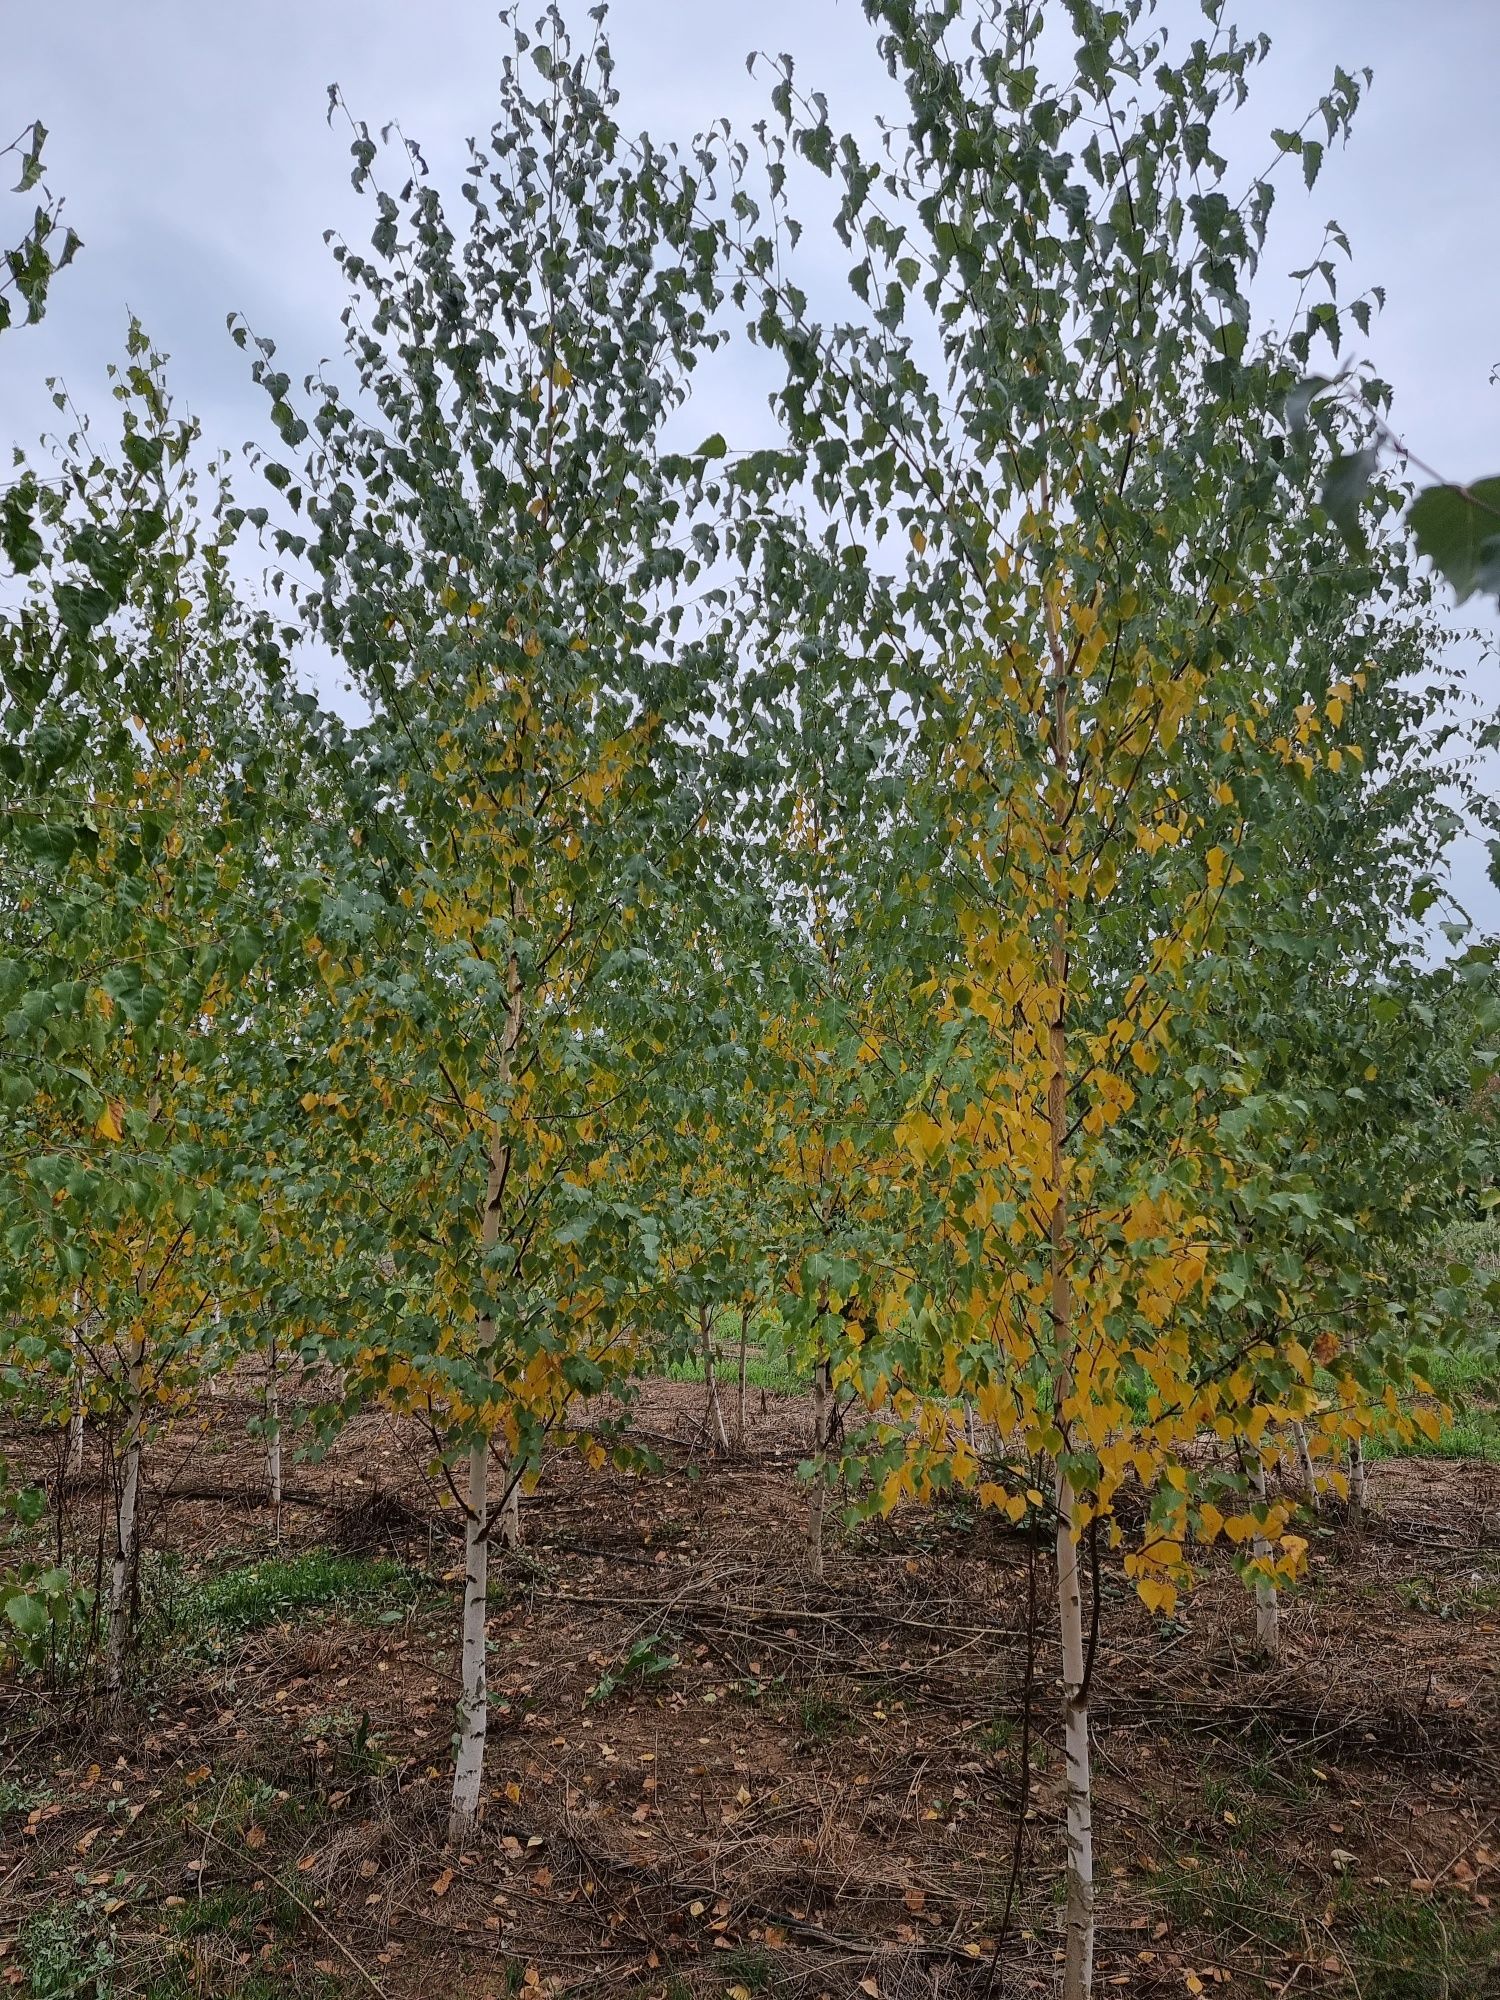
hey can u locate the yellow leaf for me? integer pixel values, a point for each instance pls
(111, 1121)
(1156, 1593)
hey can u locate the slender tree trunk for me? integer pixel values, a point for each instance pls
(122, 1565)
(468, 1770)
(273, 1438)
(741, 1419)
(509, 1529)
(1305, 1464)
(715, 1410)
(971, 1427)
(1267, 1598)
(1078, 1901)
(1357, 1488)
(817, 1504)
(473, 1700)
(75, 1416)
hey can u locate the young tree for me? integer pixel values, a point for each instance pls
(496, 543)
(131, 763)
(1052, 571)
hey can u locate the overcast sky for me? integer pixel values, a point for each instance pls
(189, 139)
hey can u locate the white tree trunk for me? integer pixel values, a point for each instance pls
(1267, 1598)
(473, 1700)
(75, 1416)
(273, 1438)
(1078, 1900)
(1358, 1490)
(818, 1502)
(1304, 1461)
(122, 1566)
(971, 1427)
(714, 1413)
(509, 1529)
(741, 1418)
(1078, 1794)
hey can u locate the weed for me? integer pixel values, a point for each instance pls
(1450, 1600)
(17, 1797)
(820, 1716)
(747, 1967)
(1233, 1893)
(997, 1735)
(1414, 1948)
(649, 1659)
(267, 1593)
(69, 1954)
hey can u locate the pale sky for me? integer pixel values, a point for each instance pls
(189, 139)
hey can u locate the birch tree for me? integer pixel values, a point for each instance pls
(493, 543)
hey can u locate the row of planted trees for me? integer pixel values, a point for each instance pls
(953, 872)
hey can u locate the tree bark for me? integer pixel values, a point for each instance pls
(741, 1418)
(818, 1500)
(508, 1528)
(75, 1414)
(473, 1700)
(1078, 1901)
(273, 1438)
(1267, 1598)
(714, 1412)
(1304, 1461)
(122, 1565)
(1358, 1490)
(468, 1769)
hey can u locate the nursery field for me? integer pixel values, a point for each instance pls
(710, 1776)
(749, 1077)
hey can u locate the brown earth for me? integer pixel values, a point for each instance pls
(814, 1789)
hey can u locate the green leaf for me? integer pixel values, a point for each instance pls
(1345, 487)
(1458, 529)
(28, 1614)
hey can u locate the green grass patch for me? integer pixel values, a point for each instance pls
(278, 1588)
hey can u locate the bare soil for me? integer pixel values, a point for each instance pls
(801, 1789)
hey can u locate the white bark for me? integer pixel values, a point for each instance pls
(75, 1417)
(715, 1410)
(818, 1502)
(741, 1420)
(1267, 1598)
(971, 1427)
(1078, 1797)
(1304, 1461)
(1357, 1487)
(122, 1566)
(1078, 1900)
(473, 1700)
(273, 1438)
(509, 1529)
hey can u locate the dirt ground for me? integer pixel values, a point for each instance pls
(709, 1775)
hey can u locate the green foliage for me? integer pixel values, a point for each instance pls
(648, 1660)
(279, 1589)
(70, 1952)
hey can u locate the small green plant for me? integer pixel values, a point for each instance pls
(69, 1953)
(820, 1716)
(649, 1660)
(280, 1587)
(750, 1968)
(17, 1797)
